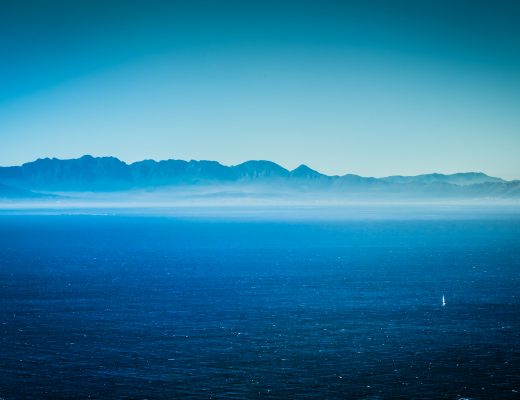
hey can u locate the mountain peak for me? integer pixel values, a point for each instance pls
(260, 169)
(303, 171)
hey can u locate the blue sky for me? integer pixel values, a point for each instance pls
(369, 87)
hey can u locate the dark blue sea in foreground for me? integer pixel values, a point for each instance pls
(169, 307)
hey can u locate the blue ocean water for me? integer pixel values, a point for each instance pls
(166, 307)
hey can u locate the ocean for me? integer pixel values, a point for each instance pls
(162, 307)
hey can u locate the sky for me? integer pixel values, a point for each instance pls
(370, 87)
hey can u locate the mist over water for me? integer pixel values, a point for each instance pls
(274, 302)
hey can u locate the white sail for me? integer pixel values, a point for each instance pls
(443, 301)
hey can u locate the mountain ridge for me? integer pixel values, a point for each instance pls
(109, 174)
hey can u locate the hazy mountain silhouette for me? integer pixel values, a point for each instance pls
(9, 192)
(463, 179)
(109, 174)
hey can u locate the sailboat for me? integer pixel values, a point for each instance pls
(443, 301)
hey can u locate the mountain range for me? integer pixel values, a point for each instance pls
(47, 176)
